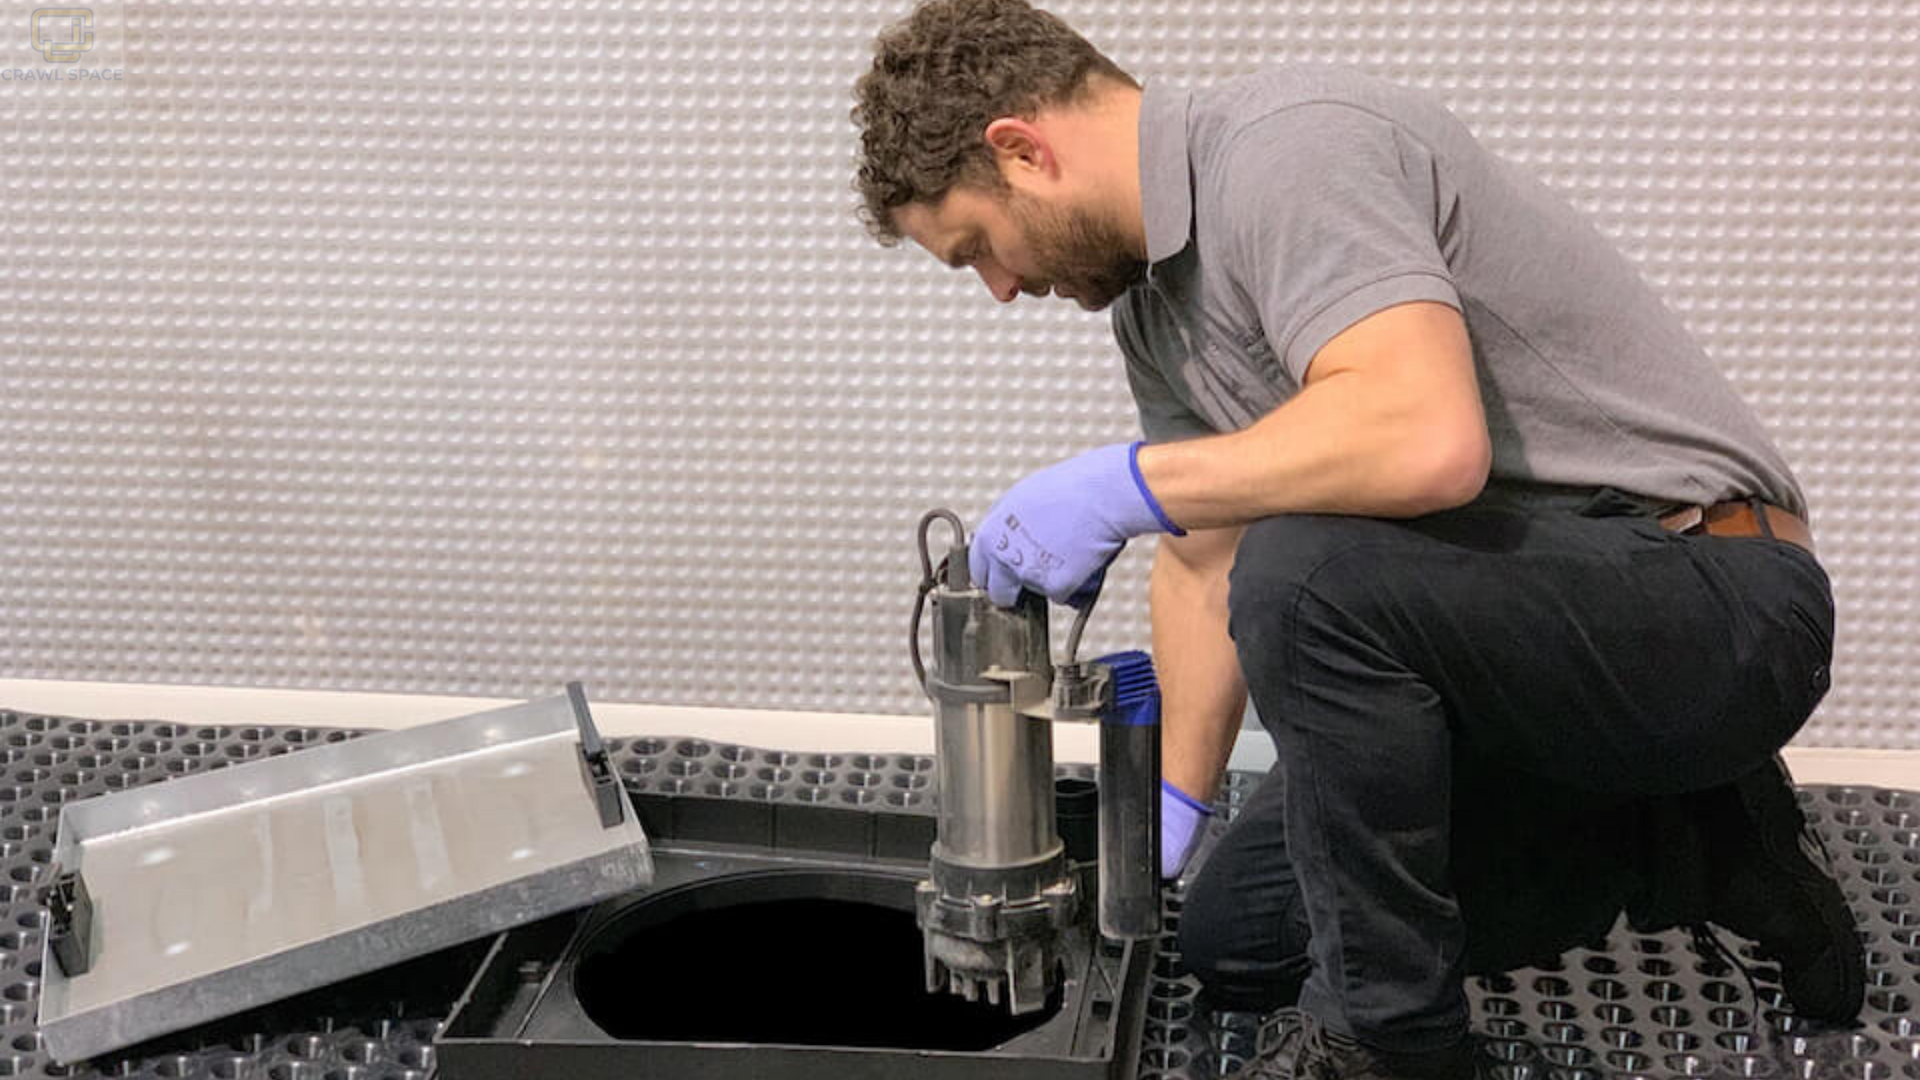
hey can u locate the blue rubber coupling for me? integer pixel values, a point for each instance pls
(1136, 693)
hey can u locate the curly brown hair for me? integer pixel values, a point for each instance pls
(939, 77)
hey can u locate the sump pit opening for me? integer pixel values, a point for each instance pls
(801, 958)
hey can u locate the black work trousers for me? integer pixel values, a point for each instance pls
(1467, 707)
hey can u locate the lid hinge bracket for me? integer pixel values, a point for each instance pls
(70, 922)
(602, 784)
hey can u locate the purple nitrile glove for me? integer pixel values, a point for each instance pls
(1056, 531)
(1183, 821)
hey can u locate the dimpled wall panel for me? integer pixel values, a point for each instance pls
(467, 347)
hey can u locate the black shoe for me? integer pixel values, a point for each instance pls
(1774, 884)
(1301, 1049)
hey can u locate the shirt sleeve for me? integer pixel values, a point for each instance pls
(1164, 415)
(1334, 217)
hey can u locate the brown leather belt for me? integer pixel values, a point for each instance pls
(1748, 517)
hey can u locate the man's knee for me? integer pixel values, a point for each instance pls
(1206, 920)
(1278, 555)
(1284, 560)
(1253, 963)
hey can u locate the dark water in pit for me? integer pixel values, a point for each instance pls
(799, 971)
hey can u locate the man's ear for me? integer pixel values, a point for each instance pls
(1018, 145)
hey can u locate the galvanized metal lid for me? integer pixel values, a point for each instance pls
(182, 902)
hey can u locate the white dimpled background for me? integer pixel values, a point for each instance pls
(470, 347)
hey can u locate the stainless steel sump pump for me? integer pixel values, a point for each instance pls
(1001, 895)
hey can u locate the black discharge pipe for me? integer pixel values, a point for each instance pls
(1130, 801)
(1119, 693)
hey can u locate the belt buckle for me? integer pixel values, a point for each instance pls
(1687, 519)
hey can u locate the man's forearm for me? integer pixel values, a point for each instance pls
(1203, 695)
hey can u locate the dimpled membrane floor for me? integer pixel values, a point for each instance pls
(1630, 1007)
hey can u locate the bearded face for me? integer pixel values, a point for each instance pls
(1075, 253)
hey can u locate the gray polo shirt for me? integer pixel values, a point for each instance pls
(1283, 207)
